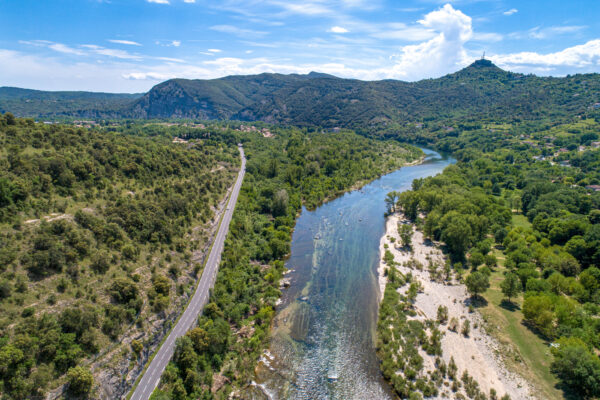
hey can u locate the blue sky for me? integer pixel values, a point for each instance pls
(131, 45)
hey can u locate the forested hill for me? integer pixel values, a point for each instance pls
(27, 102)
(481, 89)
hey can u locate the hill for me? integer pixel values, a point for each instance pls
(315, 99)
(38, 103)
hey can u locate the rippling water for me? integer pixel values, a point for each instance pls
(323, 334)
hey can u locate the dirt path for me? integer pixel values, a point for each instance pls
(478, 353)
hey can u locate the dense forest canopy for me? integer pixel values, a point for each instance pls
(97, 231)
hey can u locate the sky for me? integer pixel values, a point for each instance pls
(131, 45)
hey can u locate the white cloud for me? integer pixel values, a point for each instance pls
(214, 50)
(580, 56)
(442, 53)
(170, 59)
(189, 1)
(487, 37)
(234, 30)
(546, 33)
(62, 48)
(404, 33)
(116, 53)
(511, 11)
(126, 42)
(338, 29)
(158, 1)
(175, 43)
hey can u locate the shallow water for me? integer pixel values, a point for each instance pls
(323, 343)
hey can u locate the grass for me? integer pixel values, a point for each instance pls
(519, 220)
(523, 351)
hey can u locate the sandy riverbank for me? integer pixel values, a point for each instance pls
(478, 353)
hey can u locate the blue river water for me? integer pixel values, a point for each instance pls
(323, 335)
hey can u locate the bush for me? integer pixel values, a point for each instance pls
(80, 381)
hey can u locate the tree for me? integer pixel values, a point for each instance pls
(390, 201)
(490, 260)
(442, 314)
(476, 259)
(511, 286)
(477, 283)
(409, 203)
(405, 231)
(466, 328)
(538, 311)
(577, 367)
(456, 233)
(281, 200)
(80, 381)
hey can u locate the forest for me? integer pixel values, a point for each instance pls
(97, 235)
(522, 207)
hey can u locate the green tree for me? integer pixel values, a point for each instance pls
(577, 367)
(405, 231)
(477, 283)
(476, 259)
(442, 314)
(456, 233)
(409, 203)
(511, 285)
(390, 201)
(80, 381)
(281, 200)
(466, 328)
(538, 311)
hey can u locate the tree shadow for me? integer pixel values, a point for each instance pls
(476, 301)
(428, 242)
(509, 305)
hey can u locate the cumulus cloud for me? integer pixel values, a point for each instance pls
(158, 1)
(338, 29)
(189, 1)
(214, 50)
(511, 11)
(580, 56)
(442, 53)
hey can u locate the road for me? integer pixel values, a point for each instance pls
(152, 375)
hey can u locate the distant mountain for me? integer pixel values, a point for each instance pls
(316, 99)
(38, 103)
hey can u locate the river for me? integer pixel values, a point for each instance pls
(323, 335)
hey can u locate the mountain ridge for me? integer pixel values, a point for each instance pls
(318, 99)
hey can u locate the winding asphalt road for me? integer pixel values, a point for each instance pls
(152, 375)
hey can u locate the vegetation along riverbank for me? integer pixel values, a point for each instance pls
(517, 219)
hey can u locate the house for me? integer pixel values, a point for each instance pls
(595, 145)
(595, 188)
